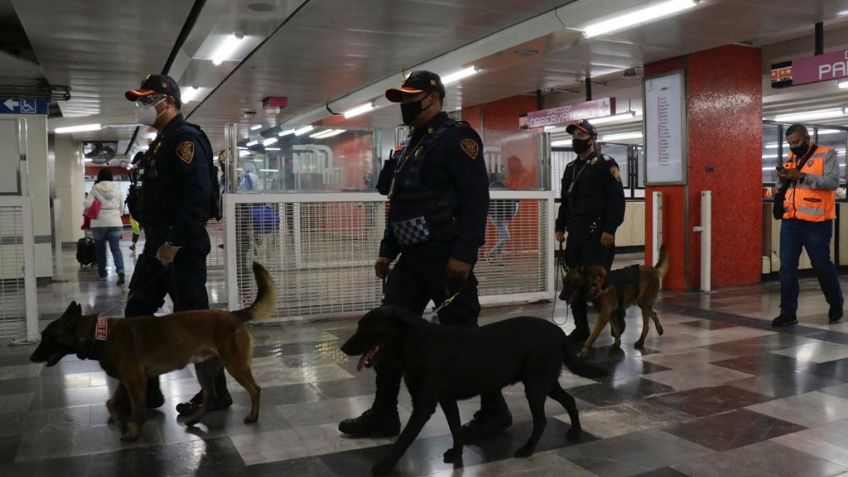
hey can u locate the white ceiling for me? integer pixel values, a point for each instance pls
(345, 51)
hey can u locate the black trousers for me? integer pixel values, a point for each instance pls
(587, 250)
(184, 281)
(418, 277)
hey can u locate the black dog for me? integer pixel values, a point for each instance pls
(442, 364)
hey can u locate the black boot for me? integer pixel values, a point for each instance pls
(493, 417)
(154, 398)
(375, 422)
(222, 398)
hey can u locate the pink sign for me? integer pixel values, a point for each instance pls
(825, 67)
(597, 108)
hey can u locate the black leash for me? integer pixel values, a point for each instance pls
(560, 265)
(133, 293)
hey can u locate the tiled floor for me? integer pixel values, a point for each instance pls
(720, 393)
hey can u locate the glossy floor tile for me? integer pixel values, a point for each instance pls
(720, 393)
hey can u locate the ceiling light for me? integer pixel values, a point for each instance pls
(618, 118)
(842, 13)
(269, 141)
(255, 127)
(226, 48)
(362, 109)
(638, 17)
(458, 75)
(192, 93)
(622, 136)
(252, 143)
(269, 170)
(843, 83)
(303, 130)
(810, 115)
(332, 133)
(272, 148)
(81, 128)
(244, 153)
(320, 134)
(561, 143)
(554, 129)
(828, 132)
(286, 132)
(771, 145)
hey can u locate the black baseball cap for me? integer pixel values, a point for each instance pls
(417, 82)
(155, 84)
(584, 126)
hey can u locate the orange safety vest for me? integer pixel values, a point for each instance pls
(805, 203)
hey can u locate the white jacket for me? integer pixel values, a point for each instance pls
(112, 204)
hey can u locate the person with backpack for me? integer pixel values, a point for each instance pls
(104, 206)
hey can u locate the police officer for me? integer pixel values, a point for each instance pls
(439, 196)
(178, 194)
(591, 209)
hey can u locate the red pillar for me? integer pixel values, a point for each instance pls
(724, 127)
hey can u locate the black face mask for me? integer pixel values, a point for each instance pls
(581, 145)
(410, 111)
(800, 150)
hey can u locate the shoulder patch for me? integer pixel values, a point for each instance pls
(615, 173)
(185, 151)
(470, 147)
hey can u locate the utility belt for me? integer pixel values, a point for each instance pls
(423, 229)
(587, 226)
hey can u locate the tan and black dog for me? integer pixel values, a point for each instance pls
(135, 349)
(613, 292)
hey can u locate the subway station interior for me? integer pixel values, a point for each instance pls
(711, 122)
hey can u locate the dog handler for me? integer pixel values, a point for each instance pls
(178, 195)
(438, 189)
(591, 209)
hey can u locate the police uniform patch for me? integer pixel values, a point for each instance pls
(470, 147)
(185, 151)
(616, 173)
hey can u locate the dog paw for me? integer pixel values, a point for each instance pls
(573, 434)
(452, 456)
(583, 353)
(250, 419)
(524, 452)
(639, 344)
(192, 421)
(660, 330)
(129, 436)
(617, 343)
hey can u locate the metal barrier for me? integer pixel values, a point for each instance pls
(320, 249)
(18, 305)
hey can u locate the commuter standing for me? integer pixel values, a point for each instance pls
(591, 209)
(809, 181)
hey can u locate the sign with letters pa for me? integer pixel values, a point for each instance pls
(826, 67)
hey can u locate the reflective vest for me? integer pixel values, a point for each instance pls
(805, 203)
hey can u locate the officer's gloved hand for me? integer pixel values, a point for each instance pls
(458, 270)
(381, 266)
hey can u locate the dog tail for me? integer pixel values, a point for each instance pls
(266, 297)
(578, 366)
(662, 263)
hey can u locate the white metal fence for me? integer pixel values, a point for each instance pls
(320, 249)
(18, 307)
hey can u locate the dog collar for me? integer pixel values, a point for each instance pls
(101, 330)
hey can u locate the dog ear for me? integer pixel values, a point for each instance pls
(72, 310)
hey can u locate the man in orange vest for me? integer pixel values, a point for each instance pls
(810, 179)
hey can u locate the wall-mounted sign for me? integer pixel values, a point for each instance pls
(570, 113)
(10, 105)
(665, 129)
(781, 74)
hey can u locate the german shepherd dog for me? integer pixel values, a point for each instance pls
(133, 350)
(613, 292)
(442, 364)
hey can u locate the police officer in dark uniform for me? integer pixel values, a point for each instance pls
(591, 210)
(438, 190)
(176, 197)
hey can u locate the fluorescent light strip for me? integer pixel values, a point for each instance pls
(81, 128)
(226, 48)
(828, 132)
(303, 130)
(810, 115)
(332, 134)
(560, 143)
(638, 17)
(252, 143)
(622, 137)
(272, 148)
(618, 118)
(255, 127)
(269, 141)
(269, 170)
(192, 93)
(456, 76)
(286, 132)
(362, 109)
(842, 84)
(321, 134)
